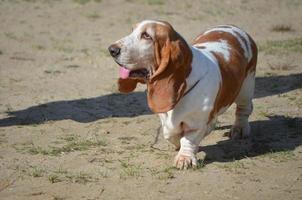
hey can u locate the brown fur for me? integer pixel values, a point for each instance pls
(129, 84)
(233, 72)
(173, 59)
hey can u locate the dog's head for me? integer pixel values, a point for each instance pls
(154, 53)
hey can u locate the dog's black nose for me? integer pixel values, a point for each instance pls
(114, 50)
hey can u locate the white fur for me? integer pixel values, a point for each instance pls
(194, 108)
(135, 51)
(220, 46)
(236, 32)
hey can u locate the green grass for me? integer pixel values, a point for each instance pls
(166, 174)
(38, 47)
(129, 170)
(60, 175)
(53, 178)
(81, 178)
(51, 72)
(64, 49)
(83, 2)
(11, 35)
(156, 2)
(93, 15)
(233, 166)
(282, 46)
(36, 172)
(281, 156)
(73, 144)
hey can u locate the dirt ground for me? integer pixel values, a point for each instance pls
(66, 133)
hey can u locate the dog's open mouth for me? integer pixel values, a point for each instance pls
(139, 73)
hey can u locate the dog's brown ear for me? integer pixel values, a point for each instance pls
(167, 85)
(128, 85)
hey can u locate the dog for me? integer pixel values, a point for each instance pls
(189, 85)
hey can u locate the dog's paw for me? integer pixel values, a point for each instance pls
(237, 132)
(185, 161)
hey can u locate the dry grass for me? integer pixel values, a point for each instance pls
(282, 46)
(282, 66)
(73, 144)
(282, 28)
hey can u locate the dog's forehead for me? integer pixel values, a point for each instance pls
(148, 24)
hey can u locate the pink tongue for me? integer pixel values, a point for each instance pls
(124, 73)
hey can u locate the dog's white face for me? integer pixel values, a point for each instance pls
(135, 53)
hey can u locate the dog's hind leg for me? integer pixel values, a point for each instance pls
(244, 107)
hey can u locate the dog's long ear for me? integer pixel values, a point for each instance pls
(168, 83)
(128, 85)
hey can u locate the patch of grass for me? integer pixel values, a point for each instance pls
(53, 178)
(282, 28)
(137, 147)
(94, 15)
(233, 166)
(167, 173)
(11, 35)
(127, 140)
(81, 178)
(37, 172)
(64, 49)
(60, 171)
(72, 66)
(282, 66)
(282, 46)
(129, 170)
(38, 47)
(73, 144)
(64, 175)
(83, 2)
(1, 52)
(52, 72)
(156, 2)
(281, 156)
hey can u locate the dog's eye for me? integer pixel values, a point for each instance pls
(146, 36)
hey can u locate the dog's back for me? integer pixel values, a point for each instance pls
(236, 54)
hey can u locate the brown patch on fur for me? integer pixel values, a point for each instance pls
(251, 67)
(233, 72)
(173, 59)
(128, 85)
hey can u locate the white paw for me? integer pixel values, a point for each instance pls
(238, 132)
(183, 161)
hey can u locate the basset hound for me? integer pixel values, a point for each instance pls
(189, 85)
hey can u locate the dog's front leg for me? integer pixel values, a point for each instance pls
(189, 144)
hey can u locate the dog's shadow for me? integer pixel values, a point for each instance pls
(277, 134)
(123, 105)
(81, 110)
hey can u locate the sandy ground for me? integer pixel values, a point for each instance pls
(66, 133)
